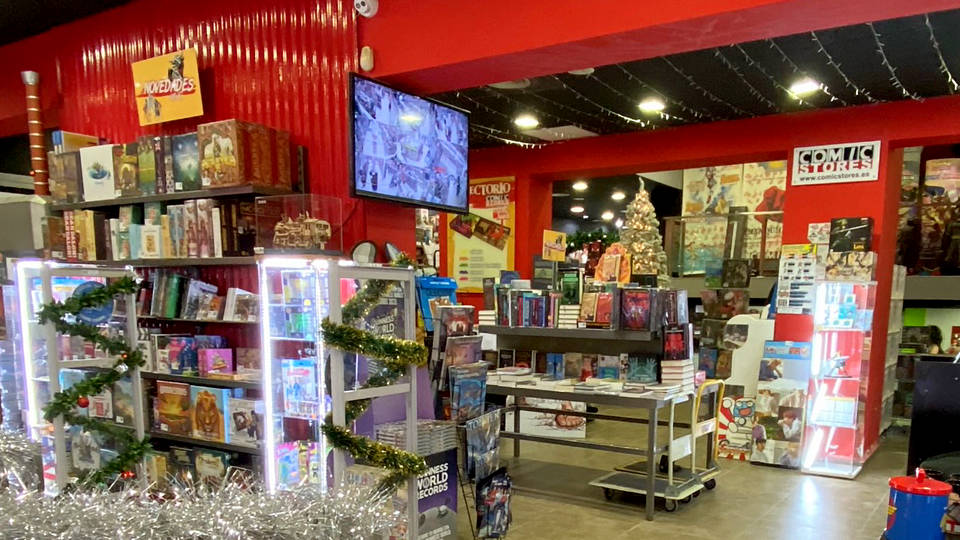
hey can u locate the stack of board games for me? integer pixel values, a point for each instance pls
(217, 154)
(432, 435)
(193, 228)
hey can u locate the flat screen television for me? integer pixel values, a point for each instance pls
(407, 149)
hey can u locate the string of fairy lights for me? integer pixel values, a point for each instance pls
(708, 94)
(581, 97)
(750, 88)
(892, 70)
(683, 106)
(756, 65)
(951, 82)
(857, 91)
(796, 70)
(606, 90)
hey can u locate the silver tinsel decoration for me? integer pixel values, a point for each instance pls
(231, 512)
(19, 463)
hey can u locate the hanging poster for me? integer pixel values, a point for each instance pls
(481, 243)
(167, 87)
(836, 163)
(712, 190)
(781, 401)
(703, 241)
(764, 188)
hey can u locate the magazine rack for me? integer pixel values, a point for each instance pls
(39, 283)
(396, 316)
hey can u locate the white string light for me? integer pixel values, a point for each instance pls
(490, 132)
(695, 113)
(756, 93)
(635, 121)
(661, 114)
(539, 112)
(602, 119)
(886, 63)
(704, 91)
(796, 69)
(951, 82)
(836, 66)
(753, 63)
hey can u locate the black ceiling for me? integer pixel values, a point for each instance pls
(24, 18)
(861, 64)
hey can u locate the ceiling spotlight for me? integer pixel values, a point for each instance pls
(586, 216)
(580, 185)
(582, 72)
(652, 105)
(804, 86)
(526, 121)
(618, 195)
(618, 223)
(607, 215)
(576, 209)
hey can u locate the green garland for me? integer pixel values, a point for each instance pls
(393, 356)
(64, 403)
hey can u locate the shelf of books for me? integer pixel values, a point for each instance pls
(52, 362)
(834, 433)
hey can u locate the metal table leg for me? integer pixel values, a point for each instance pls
(516, 426)
(651, 461)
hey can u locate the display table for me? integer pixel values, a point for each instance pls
(653, 450)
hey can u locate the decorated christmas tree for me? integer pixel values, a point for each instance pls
(641, 236)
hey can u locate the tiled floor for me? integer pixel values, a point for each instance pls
(751, 502)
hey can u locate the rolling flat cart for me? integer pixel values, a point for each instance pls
(672, 483)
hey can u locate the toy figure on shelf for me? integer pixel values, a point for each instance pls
(305, 232)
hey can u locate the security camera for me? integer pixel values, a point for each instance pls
(367, 8)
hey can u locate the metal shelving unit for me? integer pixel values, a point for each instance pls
(193, 441)
(202, 381)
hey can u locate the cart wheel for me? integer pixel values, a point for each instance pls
(697, 492)
(710, 484)
(608, 494)
(670, 505)
(687, 499)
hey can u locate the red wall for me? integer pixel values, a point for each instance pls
(906, 123)
(436, 45)
(283, 64)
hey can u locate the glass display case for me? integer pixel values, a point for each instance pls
(696, 242)
(53, 361)
(294, 296)
(843, 318)
(299, 224)
(12, 392)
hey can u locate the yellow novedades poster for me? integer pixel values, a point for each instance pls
(167, 87)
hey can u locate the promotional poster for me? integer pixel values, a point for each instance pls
(481, 243)
(781, 402)
(437, 496)
(167, 87)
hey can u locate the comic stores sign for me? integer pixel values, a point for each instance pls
(167, 87)
(836, 163)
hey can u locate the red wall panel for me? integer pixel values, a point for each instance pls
(283, 64)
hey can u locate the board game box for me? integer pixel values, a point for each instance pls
(245, 419)
(208, 408)
(173, 408)
(851, 234)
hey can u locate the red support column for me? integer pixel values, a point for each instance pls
(38, 148)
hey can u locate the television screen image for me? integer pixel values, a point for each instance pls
(408, 149)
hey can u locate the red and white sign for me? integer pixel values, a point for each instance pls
(836, 163)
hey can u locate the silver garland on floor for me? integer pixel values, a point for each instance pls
(19, 463)
(227, 513)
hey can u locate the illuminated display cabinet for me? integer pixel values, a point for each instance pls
(843, 318)
(52, 361)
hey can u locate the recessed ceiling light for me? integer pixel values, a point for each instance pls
(586, 216)
(618, 223)
(580, 186)
(576, 209)
(582, 72)
(804, 86)
(652, 105)
(618, 195)
(607, 215)
(518, 84)
(526, 121)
